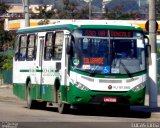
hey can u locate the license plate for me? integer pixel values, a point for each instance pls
(110, 99)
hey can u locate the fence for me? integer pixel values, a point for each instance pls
(6, 77)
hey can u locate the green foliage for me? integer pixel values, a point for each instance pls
(2, 58)
(1, 76)
(158, 50)
(8, 62)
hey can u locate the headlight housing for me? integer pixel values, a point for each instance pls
(81, 86)
(138, 87)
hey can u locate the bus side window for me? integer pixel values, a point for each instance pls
(48, 52)
(16, 48)
(21, 53)
(57, 48)
(31, 47)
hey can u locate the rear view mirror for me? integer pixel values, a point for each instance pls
(148, 50)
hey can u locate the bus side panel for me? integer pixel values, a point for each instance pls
(64, 91)
(19, 90)
(47, 93)
(34, 92)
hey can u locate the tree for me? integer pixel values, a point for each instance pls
(3, 8)
(6, 37)
(118, 13)
(70, 10)
(7, 65)
(157, 9)
(44, 13)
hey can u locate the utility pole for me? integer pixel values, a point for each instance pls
(26, 12)
(90, 9)
(153, 67)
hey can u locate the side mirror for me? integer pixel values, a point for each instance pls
(148, 50)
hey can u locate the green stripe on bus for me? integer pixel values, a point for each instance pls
(27, 70)
(38, 70)
(24, 70)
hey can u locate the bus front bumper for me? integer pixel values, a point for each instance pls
(76, 96)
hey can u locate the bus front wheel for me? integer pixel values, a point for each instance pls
(31, 104)
(62, 107)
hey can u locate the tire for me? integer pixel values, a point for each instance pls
(31, 104)
(62, 107)
(42, 105)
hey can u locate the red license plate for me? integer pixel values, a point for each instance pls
(110, 99)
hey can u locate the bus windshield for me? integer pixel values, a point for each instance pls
(108, 53)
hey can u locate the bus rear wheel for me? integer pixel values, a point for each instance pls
(62, 107)
(31, 104)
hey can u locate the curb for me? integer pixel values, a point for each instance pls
(155, 115)
(5, 86)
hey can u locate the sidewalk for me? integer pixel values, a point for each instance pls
(6, 91)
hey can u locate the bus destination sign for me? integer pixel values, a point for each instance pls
(105, 33)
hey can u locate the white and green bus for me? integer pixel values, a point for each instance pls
(80, 63)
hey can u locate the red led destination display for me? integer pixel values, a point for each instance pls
(97, 33)
(104, 33)
(120, 33)
(98, 60)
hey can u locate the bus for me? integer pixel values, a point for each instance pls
(80, 63)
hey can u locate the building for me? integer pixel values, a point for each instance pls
(16, 9)
(142, 3)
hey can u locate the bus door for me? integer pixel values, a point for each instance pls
(39, 64)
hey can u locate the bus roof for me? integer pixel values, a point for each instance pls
(78, 25)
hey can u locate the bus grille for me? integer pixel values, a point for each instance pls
(87, 78)
(110, 81)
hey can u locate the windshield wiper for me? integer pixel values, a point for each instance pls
(127, 71)
(92, 73)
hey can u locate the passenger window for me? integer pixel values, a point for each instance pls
(31, 47)
(57, 48)
(16, 48)
(48, 49)
(21, 52)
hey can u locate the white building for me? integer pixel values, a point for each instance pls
(142, 2)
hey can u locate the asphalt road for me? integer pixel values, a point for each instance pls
(13, 113)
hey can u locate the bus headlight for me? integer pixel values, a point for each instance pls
(81, 86)
(138, 87)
